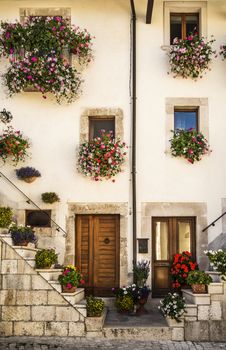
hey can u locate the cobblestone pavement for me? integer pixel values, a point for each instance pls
(28, 343)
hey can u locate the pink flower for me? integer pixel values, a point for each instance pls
(11, 50)
(69, 285)
(34, 59)
(29, 77)
(7, 35)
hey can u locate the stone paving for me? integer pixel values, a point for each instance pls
(30, 343)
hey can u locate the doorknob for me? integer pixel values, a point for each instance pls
(106, 240)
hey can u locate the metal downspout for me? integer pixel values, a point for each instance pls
(133, 102)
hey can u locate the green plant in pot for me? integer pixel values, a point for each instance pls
(6, 215)
(70, 278)
(22, 235)
(45, 258)
(198, 281)
(50, 197)
(141, 272)
(94, 306)
(124, 304)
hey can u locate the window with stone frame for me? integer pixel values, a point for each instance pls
(98, 123)
(183, 17)
(186, 118)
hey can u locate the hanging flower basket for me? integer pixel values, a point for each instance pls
(27, 174)
(189, 144)
(190, 57)
(13, 146)
(101, 158)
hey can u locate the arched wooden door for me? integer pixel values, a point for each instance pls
(97, 252)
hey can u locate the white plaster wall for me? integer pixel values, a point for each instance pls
(54, 130)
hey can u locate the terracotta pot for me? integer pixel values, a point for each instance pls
(23, 244)
(30, 179)
(198, 288)
(68, 290)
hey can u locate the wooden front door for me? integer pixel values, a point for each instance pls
(97, 252)
(171, 235)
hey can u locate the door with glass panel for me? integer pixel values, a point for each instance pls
(171, 235)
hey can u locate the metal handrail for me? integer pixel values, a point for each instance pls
(29, 201)
(213, 223)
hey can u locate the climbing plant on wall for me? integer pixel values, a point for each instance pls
(36, 51)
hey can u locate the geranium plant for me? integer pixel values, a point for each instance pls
(217, 260)
(102, 158)
(182, 264)
(13, 145)
(190, 57)
(47, 74)
(173, 306)
(37, 50)
(71, 277)
(190, 144)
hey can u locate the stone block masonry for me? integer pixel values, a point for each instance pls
(29, 305)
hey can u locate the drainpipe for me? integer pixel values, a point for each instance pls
(133, 103)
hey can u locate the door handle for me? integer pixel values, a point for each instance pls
(106, 240)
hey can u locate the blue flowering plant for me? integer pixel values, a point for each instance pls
(22, 235)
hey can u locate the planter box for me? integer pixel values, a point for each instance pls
(215, 275)
(95, 324)
(197, 299)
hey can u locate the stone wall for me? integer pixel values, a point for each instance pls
(28, 303)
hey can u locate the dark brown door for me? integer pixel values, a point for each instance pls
(171, 235)
(97, 252)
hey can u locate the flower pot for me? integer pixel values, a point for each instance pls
(69, 290)
(198, 288)
(30, 179)
(141, 309)
(22, 244)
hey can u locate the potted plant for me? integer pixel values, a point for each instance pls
(22, 235)
(217, 260)
(6, 215)
(70, 278)
(190, 57)
(101, 158)
(94, 306)
(189, 144)
(27, 174)
(182, 264)
(45, 258)
(13, 145)
(124, 304)
(50, 197)
(173, 306)
(198, 281)
(141, 271)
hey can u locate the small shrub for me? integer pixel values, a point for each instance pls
(50, 197)
(95, 306)
(22, 234)
(45, 258)
(173, 306)
(217, 259)
(198, 277)
(6, 216)
(25, 172)
(124, 303)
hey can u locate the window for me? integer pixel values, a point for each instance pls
(182, 24)
(182, 17)
(96, 124)
(186, 118)
(37, 218)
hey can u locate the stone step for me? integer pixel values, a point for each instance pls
(196, 299)
(216, 288)
(56, 285)
(109, 303)
(138, 333)
(76, 297)
(6, 238)
(50, 274)
(81, 307)
(26, 252)
(30, 261)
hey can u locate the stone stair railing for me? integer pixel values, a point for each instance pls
(31, 302)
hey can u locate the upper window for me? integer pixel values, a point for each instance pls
(96, 124)
(37, 218)
(186, 119)
(182, 24)
(182, 18)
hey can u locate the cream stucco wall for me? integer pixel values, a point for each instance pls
(55, 130)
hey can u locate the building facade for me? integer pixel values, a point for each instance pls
(175, 200)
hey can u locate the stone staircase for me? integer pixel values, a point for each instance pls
(31, 302)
